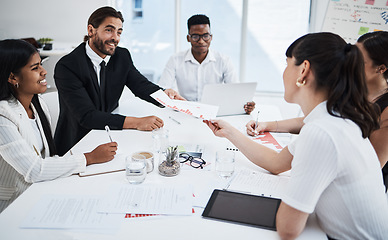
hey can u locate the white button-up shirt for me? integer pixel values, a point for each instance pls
(96, 60)
(186, 75)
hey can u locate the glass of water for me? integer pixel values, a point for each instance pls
(225, 164)
(135, 168)
(160, 139)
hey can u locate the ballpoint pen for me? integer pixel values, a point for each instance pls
(174, 119)
(257, 122)
(108, 131)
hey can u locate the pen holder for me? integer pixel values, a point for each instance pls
(169, 162)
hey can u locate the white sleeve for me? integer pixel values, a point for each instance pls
(168, 77)
(314, 167)
(229, 74)
(16, 151)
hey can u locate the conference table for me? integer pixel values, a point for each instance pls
(183, 129)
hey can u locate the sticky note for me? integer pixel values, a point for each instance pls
(363, 30)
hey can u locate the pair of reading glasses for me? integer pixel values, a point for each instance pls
(195, 162)
(195, 37)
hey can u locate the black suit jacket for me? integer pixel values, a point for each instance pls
(79, 94)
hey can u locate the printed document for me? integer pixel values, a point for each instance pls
(71, 212)
(259, 183)
(198, 110)
(148, 199)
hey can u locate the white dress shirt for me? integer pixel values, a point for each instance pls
(336, 173)
(96, 60)
(186, 75)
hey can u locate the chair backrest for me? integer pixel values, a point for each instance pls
(51, 100)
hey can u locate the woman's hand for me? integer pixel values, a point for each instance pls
(102, 153)
(220, 128)
(254, 130)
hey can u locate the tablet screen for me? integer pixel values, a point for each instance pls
(243, 208)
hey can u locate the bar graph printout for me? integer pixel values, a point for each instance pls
(195, 109)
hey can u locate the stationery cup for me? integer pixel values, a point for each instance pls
(149, 159)
(135, 168)
(225, 163)
(160, 140)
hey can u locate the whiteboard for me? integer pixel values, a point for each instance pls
(352, 18)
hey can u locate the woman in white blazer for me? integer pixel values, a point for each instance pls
(27, 151)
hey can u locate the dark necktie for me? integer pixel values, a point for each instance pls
(102, 84)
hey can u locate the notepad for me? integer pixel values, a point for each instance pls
(243, 208)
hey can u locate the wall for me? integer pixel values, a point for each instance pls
(64, 21)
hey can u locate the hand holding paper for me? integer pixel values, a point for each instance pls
(198, 110)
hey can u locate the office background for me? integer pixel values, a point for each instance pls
(150, 29)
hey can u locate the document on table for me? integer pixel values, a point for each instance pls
(199, 110)
(268, 140)
(148, 199)
(259, 183)
(71, 212)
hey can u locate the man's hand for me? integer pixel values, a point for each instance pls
(249, 107)
(173, 94)
(144, 123)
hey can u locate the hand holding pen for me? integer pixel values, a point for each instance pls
(253, 127)
(108, 131)
(257, 123)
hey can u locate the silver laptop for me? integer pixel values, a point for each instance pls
(230, 97)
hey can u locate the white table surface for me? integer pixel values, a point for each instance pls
(190, 131)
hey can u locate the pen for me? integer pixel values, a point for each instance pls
(108, 131)
(174, 119)
(36, 150)
(257, 121)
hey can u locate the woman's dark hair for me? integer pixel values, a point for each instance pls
(14, 55)
(339, 69)
(376, 44)
(45, 125)
(99, 16)
(197, 20)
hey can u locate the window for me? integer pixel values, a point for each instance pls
(271, 27)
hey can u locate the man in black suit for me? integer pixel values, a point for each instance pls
(90, 81)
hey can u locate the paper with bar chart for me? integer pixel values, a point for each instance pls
(195, 109)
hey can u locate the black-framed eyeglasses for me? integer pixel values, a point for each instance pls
(195, 37)
(195, 162)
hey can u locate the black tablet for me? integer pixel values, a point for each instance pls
(243, 208)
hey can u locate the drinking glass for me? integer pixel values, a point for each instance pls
(225, 164)
(160, 139)
(135, 168)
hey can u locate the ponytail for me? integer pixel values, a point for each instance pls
(339, 70)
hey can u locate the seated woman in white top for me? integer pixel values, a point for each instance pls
(373, 46)
(334, 168)
(27, 151)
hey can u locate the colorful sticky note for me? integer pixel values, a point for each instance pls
(363, 30)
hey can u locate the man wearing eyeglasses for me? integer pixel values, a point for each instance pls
(189, 71)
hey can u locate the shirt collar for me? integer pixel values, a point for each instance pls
(209, 57)
(317, 112)
(96, 60)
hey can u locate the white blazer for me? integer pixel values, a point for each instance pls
(20, 164)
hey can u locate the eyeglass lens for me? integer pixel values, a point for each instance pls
(205, 37)
(194, 161)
